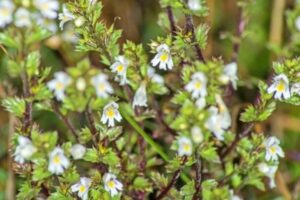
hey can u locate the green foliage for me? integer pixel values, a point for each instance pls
(15, 105)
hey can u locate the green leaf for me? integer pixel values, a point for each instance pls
(249, 115)
(91, 155)
(15, 106)
(40, 170)
(111, 158)
(142, 184)
(27, 191)
(32, 63)
(59, 196)
(268, 110)
(210, 154)
(8, 41)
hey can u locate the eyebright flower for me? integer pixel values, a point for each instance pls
(102, 86)
(233, 196)
(269, 171)
(230, 74)
(110, 114)
(64, 17)
(82, 187)
(295, 89)
(58, 162)
(185, 146)
(120, 67)
(111, 184)
(156, 78)
(24, 150)
(48, 8)
(6, 10)
(22, 18)
(163, 58)
(273, 150)
(197, 86)
(48, 24)
(297, 23)
(194, 4)
(140, 97)
(197, 134)
(77, 151)
(80, 84)
(280, 87)
(58, 84)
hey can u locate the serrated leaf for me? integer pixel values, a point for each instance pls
(15, 106)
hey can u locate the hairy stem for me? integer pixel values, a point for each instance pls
(172, 21)
(198, 180)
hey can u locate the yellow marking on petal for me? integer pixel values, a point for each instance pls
(273, 150)
(59, 86)
(5, 12)
(280, 86)
(110, 112)
(82, 188)
(164, 57)
(101, 87)
(56, 159)
(120, 68)
(111, 184)
(186, 147)
(198, 85)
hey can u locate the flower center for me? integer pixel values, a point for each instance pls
(101, 87)
(164, 57)
(59, 86)
(56, 159)
(4, 12)
(198, 85)
(110, 112)
(81, 188)
(281, 86)
(186, 147)
(273, 150)
(111, 184)
(45, 6)
(120, 68)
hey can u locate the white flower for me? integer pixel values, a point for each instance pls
(230, 74)
(197, 86)
(24, 150)
(111, 184)
(82, 187)
(269, 171)
(185, 146)
(6, 10)
(65, 16)
(48, 8)
(194, 4)
(79, 21)
(155, 78)
(201, 102)
(48, 24)
(219, 119)
(58, 162)
(297, 23)
(273, 150)
(77, 151)
(120, 67)
(58, 84)
(295, 89)
(163, 58)
(140, 97)
(110, 114)
(102, 86)
(233, 196)
(280, 87)
(197, 135)
(69, 35)
(80, 84)
(22, 18)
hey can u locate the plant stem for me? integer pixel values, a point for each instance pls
(198, 180)
(172, 21)
(91, 122)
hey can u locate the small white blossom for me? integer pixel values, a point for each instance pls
(22, 18)
(80, 84)
(295, 89)
(48, 8)
(201, 102)
(273, 150)
(24, 150)
(64, 17)
(58, 162)
(233, 196)
(140, 97)
(120, 67)
(69, 35)
(194, 4)
(280, 87)
(102, 86)
(82, 187)
(163, 58)
(79, 21)
(197, 134)
(297, 23)
(197, 86)
(48, 24)
(111, 184)
(58, 84)
(269, 171)
(230, 74)
(6, 11)
(185, 146)
(77, 151)
(110, 114)
(219, 119)
(156, 78)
